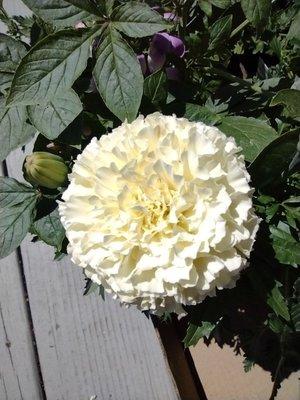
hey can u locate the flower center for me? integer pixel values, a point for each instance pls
(155, 214)
(154, 209)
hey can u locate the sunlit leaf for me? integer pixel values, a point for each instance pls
(252, 134)
(290, 98)
(137, 19)
(50, 230)
(17, 209)
(257, 11)
(195, 333)
(278, 303)
(118, 76)
(52, 118)
(63, 12)
(14, 131)
(51, 67)
(155, 87)
(287, 249)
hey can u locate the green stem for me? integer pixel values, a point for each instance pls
(277, 380)
(239, 28)
(276, 383)
(231, 78)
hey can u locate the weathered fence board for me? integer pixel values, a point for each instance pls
(86, 346)
(18, 371)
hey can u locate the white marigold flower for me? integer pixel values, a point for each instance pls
(160, 213)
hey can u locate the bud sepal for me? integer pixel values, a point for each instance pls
(45, 169)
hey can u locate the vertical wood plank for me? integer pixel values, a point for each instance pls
(18, 370)
(86, 346)
(19, 378)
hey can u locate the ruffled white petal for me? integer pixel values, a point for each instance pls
(160, 212)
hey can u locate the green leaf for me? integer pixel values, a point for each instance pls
(294, 31)
(290, 98)
(51, 67)
(195, 333)
(292, 200)
(11, 53)
(91, 287)
(137, 20)
(5, 80)
(295, 307)
(271, 211)
(287, 249)
(50, 230)
(275, 323)
(155, 88)
(194, 112)
(14, 131)
(118, 76)
(292, 212)
(109, 5)
(53, 118)
(266, 170)
(220, 31)
(252, 134)
(205, 6)
(17, 209)
(257, 11)
(278, 303)
(102, 292)
(276, 47)
(63, 12)
(221, 3)
(248, 364)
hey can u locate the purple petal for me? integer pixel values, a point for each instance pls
(164, 43)
(160, 43)
(173, 73)
(143, 63)
(156, 61)
(169, 16)
(79, 25)
(178, 47)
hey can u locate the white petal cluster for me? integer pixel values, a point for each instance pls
(160, 213)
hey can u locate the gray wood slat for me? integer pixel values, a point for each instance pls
(18, 370)
(86, 346)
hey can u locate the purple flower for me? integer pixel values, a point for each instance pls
(79, 25)
(161, 45)
(173, 74)
(167, 44)
(169, 16)
(143, 63)
(156, 60)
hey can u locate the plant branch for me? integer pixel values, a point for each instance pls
(239, 28)
(276, 379)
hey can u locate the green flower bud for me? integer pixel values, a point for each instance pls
(45, 169)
